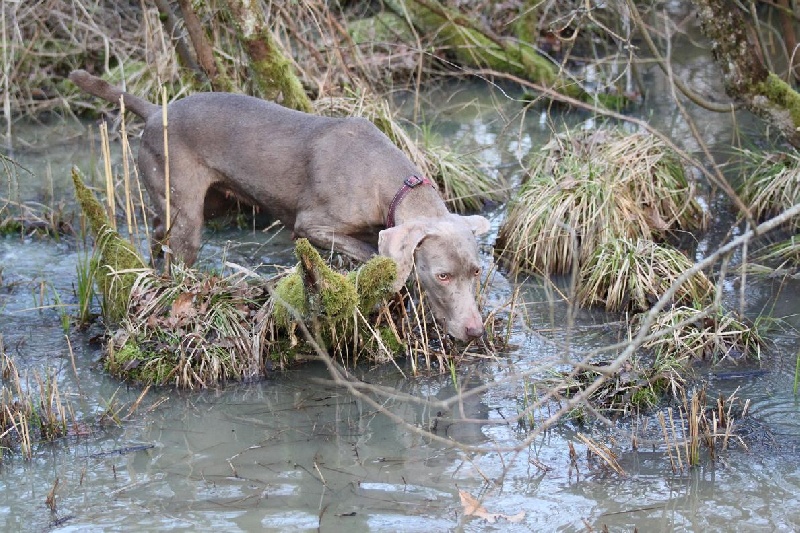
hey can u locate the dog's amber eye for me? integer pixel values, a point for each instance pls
(443, 277)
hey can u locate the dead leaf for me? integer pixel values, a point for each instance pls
(183, 306)
(655, 219)
(472, 507)
(567, 184)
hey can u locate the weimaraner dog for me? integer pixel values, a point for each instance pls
(339, 182)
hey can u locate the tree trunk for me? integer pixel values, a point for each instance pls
(205, 52)
(271, 68)
(474, 46)
(734, 47)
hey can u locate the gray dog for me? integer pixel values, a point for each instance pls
(339, 182)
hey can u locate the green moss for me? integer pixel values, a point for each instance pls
(527, 24)
(11, 227)
(133, 363)
(327, 300)
(616, 102)
(95, 214)
(119, 261)
(373, 282)
(314, 290)
(780, 93)
(273, 72)
(644, 398)
(390, 340)
(328, 292)
(290, 295)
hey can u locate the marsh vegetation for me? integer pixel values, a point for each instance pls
(652, 236)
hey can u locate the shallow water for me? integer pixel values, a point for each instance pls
(296, 452)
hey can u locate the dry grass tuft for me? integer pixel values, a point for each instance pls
(684, 334)
(31, 410)
(698, 427)
(192, 330)
(586, 189)
(784, 255)
(771, 184)
(633, 275)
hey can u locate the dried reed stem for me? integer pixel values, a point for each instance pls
(6, 72)
(106, 149)
(125, 170)
(167, 199)
(603, 452)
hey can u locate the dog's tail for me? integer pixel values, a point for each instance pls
(102, 89)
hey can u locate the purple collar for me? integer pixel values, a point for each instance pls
(408, 184)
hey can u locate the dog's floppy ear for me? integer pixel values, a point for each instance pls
(477, 223)
(399, 243)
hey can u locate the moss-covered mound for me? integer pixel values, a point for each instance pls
(194, 329)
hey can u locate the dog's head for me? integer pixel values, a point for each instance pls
(445, 254)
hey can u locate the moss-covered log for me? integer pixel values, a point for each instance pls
(314, 291)
(271, 68)
(735, 49)
(473, 46)
(327, 300)
(120, 264)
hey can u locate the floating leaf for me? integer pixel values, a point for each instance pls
(472, 507)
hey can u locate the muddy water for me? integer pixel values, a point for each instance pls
(296, 453)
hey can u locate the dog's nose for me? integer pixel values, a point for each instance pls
(474, 332)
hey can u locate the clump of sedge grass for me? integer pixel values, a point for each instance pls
(686, 334)
(632, 275)
(771, 184)
(27, 417)
(777, 258)
(191, 330)
(586, 189)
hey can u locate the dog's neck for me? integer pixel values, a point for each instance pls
(416, 198)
